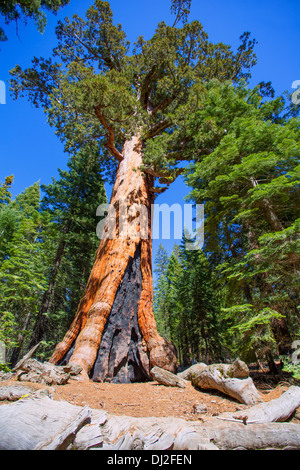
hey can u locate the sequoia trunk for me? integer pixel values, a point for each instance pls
(114, 336)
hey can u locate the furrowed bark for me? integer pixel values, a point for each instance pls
(120, 285)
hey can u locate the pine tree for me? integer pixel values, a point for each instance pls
(250, 186)
(186, 305)
(160, 301)
(22, 9)
(5, 195)
(8, 217)
(22, 273)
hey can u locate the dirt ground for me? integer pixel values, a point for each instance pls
(151, 398)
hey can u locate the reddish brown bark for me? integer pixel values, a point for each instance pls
(83, 339)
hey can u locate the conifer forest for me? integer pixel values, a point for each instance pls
(89, 287)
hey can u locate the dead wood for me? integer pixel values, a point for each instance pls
(45, 373)
(63, 438)
(220, 377)
(47, 424)
(31, 370)
(195, 369)
(165, 377)
(27, 423)
(25, 358)
(279, 409)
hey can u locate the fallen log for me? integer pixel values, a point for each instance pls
(195, 369)
(27, 423)
(63, 438)
(216, 377)
(165, 377)
(48, 424)
(88, 437)
(230, 436)
(280, 409)
(32, 370)
(238, 369)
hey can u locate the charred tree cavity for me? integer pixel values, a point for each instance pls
(122, 356)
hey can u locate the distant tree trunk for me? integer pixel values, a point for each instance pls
(282, 335)
(40, 323)
(114, 335)
(17, 349)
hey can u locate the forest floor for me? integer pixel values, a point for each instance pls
(152, 399)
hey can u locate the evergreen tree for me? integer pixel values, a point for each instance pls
(160, 304)
(13, 10)
(22, 273)
(250, 185)
(8, 218)
(199, 306)
(5, 195)
(186, 306)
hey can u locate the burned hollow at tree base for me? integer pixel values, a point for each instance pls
(122, 356)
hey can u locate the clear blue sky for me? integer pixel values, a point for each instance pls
(29, 148)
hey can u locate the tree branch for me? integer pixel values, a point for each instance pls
(157, 128)
(145, 92)
(110, 145)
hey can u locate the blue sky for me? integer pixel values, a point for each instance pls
(29, 148)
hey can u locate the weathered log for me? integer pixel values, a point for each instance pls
(63, 438)
(229, 435)
(238, 369)
(195, 369)
(165, 377)
(46, 373)
(215, 377)
(189, 439)
(28, 423)
(127, 433)
(31, 370)
(88, 437)
(279, 409)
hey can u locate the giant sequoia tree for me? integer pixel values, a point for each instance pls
(95, 87)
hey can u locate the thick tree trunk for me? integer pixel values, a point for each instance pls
(114, 334)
